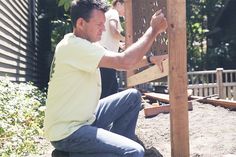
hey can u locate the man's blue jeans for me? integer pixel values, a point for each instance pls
(113, 132)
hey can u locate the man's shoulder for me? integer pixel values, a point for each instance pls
(71, 40)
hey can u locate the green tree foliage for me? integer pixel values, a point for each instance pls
(60, 27)
(60, 22)
(65, 4)
(201, 15)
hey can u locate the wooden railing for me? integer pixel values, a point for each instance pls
(219, 81)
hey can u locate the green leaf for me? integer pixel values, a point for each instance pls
(67, 6)
(61, 2)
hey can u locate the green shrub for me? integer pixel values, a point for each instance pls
(21, 118)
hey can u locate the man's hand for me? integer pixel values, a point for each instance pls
(158, 22)
(158, 60)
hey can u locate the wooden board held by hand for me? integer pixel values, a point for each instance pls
(149, 74)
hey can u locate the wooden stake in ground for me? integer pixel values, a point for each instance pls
(176, 15)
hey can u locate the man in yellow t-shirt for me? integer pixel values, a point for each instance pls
(76, 121)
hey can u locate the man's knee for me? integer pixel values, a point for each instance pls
(135, 95)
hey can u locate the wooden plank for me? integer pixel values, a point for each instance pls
(156, 109)
(163, 97)
(158, 96)
(176, 15)
(216, 102)
(147, 75)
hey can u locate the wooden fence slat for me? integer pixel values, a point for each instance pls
(234, 93)
(224, 92)
(205, 91)
(200, 90)
(210, 91)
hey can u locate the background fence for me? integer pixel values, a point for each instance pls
(219, 81)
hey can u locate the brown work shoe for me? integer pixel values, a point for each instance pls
(152, 152)
(58, 153)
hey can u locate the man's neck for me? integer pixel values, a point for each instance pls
(79, 34)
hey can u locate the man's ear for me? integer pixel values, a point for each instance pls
(80, 23)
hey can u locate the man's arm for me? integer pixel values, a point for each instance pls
(154, 60)
(113, 25)
(133, 54)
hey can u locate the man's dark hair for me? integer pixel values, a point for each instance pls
(114, 2)
(84, 8)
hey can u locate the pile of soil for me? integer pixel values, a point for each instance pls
(212, 132)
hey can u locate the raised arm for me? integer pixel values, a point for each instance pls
(133, 54)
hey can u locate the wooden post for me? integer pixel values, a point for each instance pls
(176, 15)
(128, 23)
(128, 28)
(219, 80)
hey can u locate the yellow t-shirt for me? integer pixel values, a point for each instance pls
(74, 87)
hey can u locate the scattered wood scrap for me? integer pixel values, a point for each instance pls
(154, 110)
(158, 96)
(216, 102)
(162, 97)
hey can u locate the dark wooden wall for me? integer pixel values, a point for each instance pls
(19, 40)
(142, 13)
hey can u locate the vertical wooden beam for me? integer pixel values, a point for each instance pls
(128, 23)
(176, 15)
(128, 28)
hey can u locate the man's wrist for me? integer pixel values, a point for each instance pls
(149, 59)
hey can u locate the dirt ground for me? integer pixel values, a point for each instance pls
(212, 132)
